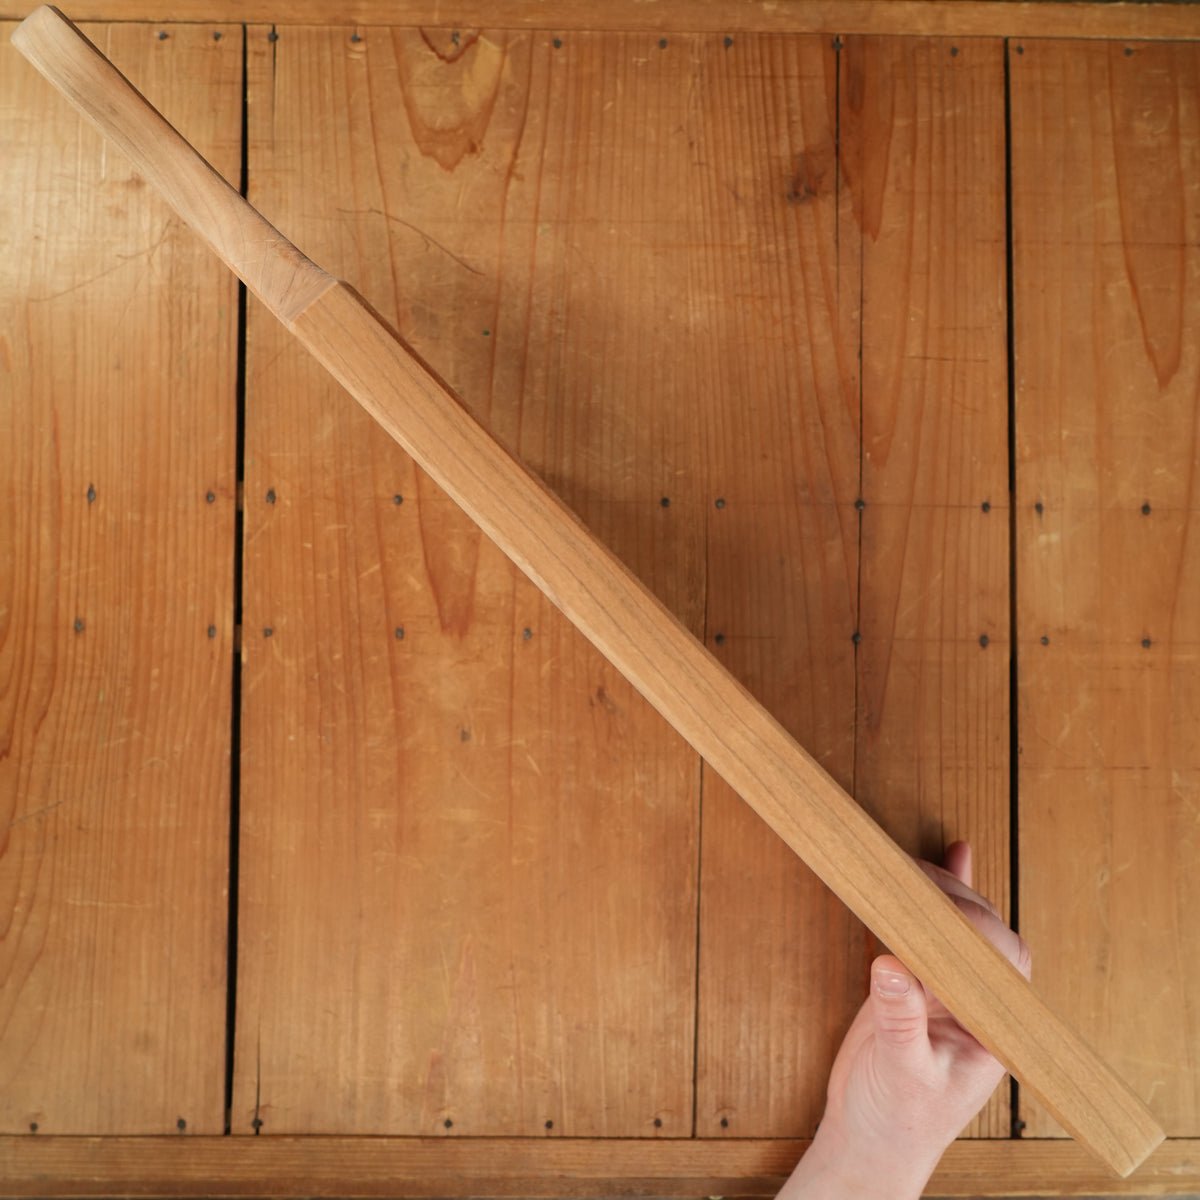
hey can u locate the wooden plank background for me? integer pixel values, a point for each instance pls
(493, 838)
(916, 688)
(781, 961)
(118, 418)
(592, 328)
(741, 301)
(923, 147)
(1106, 198)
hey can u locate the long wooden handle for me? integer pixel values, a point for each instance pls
(633, 630)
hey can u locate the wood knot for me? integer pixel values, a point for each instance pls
(814, 176)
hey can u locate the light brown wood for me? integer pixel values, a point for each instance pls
(718, 717)
(117, 432)
(728, 727)
(902, 18)
(782, 963)
(546, 1168)
(1108, 371)
(270, 266)
(922, 150)
(500, 830)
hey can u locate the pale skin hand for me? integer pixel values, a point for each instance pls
(908, 1077)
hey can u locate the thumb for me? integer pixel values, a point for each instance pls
(899, 1012)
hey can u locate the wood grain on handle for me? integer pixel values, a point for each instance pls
(641, 638)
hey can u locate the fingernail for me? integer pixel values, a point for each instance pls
(891, 984)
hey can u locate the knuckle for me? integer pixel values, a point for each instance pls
(903, 1031)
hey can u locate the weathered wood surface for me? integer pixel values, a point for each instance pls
(691, 261)
(1149, 203)
(1106, 195)
(117, 460)
(284, 1167)
(786, 580)
(469, 848)
(781, 960)
(922, 146)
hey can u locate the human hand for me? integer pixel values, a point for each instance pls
(908, 1077)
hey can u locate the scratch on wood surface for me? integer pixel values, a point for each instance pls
(36, 813)
(427, 238)
(124, 259)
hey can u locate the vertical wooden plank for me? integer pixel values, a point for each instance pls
(1106, 198)
(117, 401)
(468, 848)
(902, 253)
(923, 143)
(780, 957)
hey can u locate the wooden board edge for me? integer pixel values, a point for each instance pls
(952, 18)
(38, 1166)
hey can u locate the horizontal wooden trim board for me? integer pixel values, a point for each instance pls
(957, 18)
(533, 1167)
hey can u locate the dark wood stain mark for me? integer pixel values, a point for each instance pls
(815, 175)
(449, 89)
(866, 123)
(1144, 97)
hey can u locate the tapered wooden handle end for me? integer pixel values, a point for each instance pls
(283, 278)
